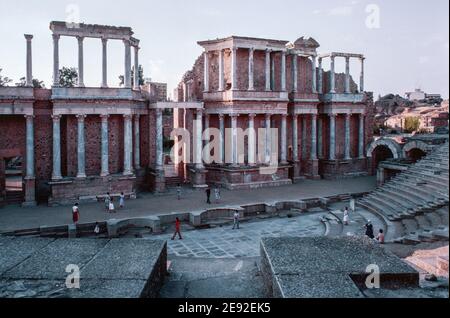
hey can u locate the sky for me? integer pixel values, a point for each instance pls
(406, 42)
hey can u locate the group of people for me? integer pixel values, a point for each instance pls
(109, 202)
(368, 227)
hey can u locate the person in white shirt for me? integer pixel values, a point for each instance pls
(236, 220)
(111, 206)
(75, 214)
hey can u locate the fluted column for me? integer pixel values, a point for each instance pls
(127, 79)
(56, 60)
(136, 68)
(361, 134)
(361, 78)
(208, 138)
(56, 175)
(332, 155)
(81, 148)
(268, 143)
(347, 137)
(234, 149)
(319, 137)
(221, 76)
(137, 142)
(283, 139)
(332, 77)
(128, 145)
(159, 140)
(320, 79)
(295, 138)
(29, 78)
(206, 72)
(104, 63)
(222, 137)
(267, 70)
(105, 146)
(304, 139)
(30, 147)
(314, 74)
(313, 137)
(199, 141)
(347, 75)
(251, 140)
(80, 61)
(234, 85)
(251, 68)
(294, 73)
(283, 71)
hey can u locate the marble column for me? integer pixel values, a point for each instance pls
(221, 76)
(313, 137)
(222, 137)
(30, 147)
(56, 175)
(105, 146)
(81, 148)
(80, 61)
(361, 134)
(234, 149)
(268, 140)
(137, 142)
(206, 72)
(347, 137)
(361, 78)
(128, 145)
(199, 140)
(332, 151)
(295, 137)
(319, 137)
(267, 70)
(314, 74)
(332, 77)
(29, 78)
(304, 134)
(251, 69)
(159, 141)
(294, 73)
(56, 60)
(234, 85)
(136, 68)
(347, 75)
(127, 79)
(207, 138)
(320, 79)
(283, 139)
(251, 140)
(272, 73)
(283, 71)
(104, 63)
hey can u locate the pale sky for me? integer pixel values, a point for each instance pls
(406, 48)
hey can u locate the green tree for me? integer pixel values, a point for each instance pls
(68, 77)
(412, 124)
(141, 77)
(4, 80)
(36, 83)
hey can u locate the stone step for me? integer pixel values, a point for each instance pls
(441, 234)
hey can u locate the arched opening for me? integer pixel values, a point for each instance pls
(12, 180)
(415, 154)
(379, 154)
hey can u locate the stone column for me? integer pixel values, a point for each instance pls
(319, 138)
(81, 148)
(332, 136)
(313, 137)
(234, 85)
(251, 69)
(332, 79)
(127, 79)
(56, 60)
(283, 71)
(222, 137)
(251, 140)
(361, 78)
(272, 74)
(347, 137)
(208, 137)
(267, 70)
(268, 140)
(29, 77)
(347, 75)
(136, 68)
(159, 141)
(206, 72)
(314, 74)
(320, 79)
(361, 154)
(295, 137)
(199, 142)
(80, 61)
(104, 63)
(30, 147)
(304, 133)
(137, 142)
(234, 139)
(294, 73)
(105, 146)
(283, 139)
(127, 145)
(56, 175)
(221, 79)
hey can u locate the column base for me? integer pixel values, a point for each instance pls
(57, 178)
(104, 174)
(81, 176)
(30, 192)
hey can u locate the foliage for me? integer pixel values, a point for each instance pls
(36, 83)
(141, 77)
(412, 124)
(4, 80)
(68, 77)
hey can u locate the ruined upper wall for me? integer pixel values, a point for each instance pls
(91, 30)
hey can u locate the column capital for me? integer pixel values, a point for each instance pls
(56, 37)
(269, 50)
(29, 116)
(314, 116)
(284, 116)
(234, 116)
(332, 115)
(199, 111)
(80, 39)
(252, 115)
(221, 116)
(268, 116)
(126, 42)
(104, 40)
(56, 118)
(251, 49)
(104, 116)
(137, 117)
(81, 117)
(348, 115)
(28, 37)
(128, 116)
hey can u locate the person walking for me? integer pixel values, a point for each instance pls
(177, 229)
(75, 214)
(208, 195)
(369, 229)
(236, 217)
(97, 229)
(122, 200)
(217, 194)
(179, 191)
(107, 201)
(346, 216)
(111, 206)
(380, 237)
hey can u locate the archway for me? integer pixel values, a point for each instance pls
(415, 154)
(380, 153)
(381, 150)
(415, 150)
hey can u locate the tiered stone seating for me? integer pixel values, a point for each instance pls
(414, 204)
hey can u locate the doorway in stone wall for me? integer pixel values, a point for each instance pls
(13, 180)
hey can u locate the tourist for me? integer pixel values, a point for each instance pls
(236, 217)
(217, 194)
(369, 229)
(107, 201)
(208, 195)
(346, 216)
(122, 200)
(380, 237)
(179, 191)
(75, 214)
(97, 229)
(177, 229)
(111, 206)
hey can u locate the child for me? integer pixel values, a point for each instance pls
(122, 200)
(179, 191)
(346, 216)
(111, 206)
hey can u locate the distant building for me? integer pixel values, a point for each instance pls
(417, 95)
(157, 91)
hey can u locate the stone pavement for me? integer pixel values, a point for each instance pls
(15, 217)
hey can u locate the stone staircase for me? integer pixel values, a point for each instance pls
(414, 204)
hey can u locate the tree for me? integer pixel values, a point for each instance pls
(141, 77)
(4, 80)
(36, 83)
(68, 77)
(412, 124)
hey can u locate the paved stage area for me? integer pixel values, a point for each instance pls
(15, 217)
